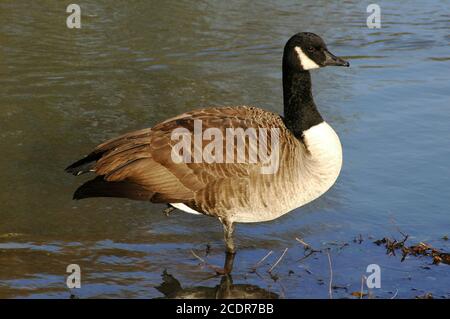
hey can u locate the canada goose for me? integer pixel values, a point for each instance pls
(140, 165)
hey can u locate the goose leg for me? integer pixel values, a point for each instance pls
(228, 230)
(168, 210)
(230, 250)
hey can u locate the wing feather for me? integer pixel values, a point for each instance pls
(143, 158)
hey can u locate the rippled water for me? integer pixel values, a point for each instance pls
(132, 65)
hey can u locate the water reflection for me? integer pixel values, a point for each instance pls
(171, 288)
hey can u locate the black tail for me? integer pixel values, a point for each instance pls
(84, 165)
(98, 187)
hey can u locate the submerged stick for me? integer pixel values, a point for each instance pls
(278, 261)
(262, 259)
(330, 284)
(395, 295)
(198, 257)
(309, 250)
(361, 293)
(305, 245)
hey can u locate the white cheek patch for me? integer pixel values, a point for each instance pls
(305, 61)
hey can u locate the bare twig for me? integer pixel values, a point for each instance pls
(308, 271)
(395, 295)
(264, 258)
(253, 269)
(278, 261)
(310, 253)
(282, 291)
(198, 257)
(330, 284)
(217, 269)
(361, 293)
(307, 246)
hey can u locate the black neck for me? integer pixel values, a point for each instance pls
(300, 111)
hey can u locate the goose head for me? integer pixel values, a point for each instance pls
(306, 51)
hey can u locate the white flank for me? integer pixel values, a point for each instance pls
(306, 62)
(185, 208)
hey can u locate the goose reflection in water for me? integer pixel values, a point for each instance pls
(171, 289)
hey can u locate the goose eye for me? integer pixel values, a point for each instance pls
(311, 49)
